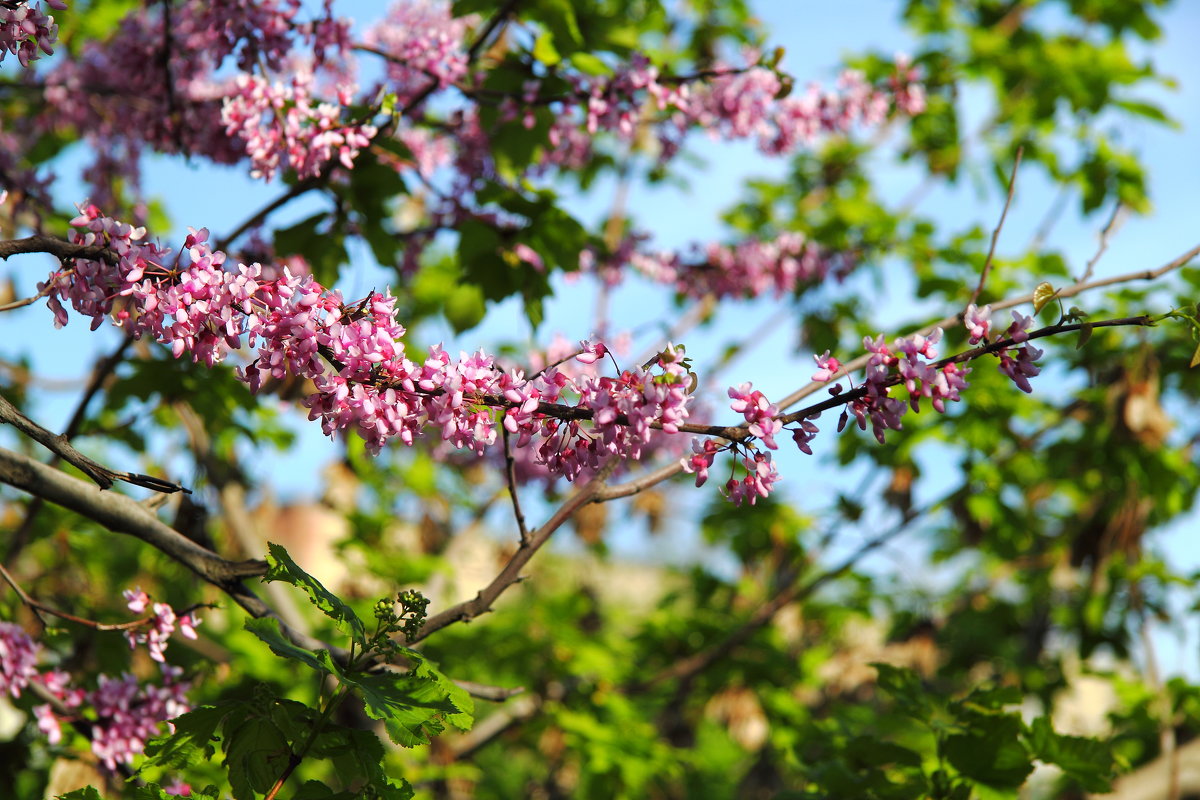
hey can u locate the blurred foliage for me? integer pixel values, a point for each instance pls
(1040, 532)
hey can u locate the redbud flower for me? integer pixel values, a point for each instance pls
(827, 366)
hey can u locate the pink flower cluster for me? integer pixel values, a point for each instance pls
(163, 623)
(122, 713)
(158, 84)
(762, 422)
(908, 362)
(18, 659)
(1021, 368)
(192, 304)
(748, 269)
(26, 29)
(729, 102)
(282, 125)
(424, 46)
(760, 478)
(920, 378)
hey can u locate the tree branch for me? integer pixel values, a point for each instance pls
(62, 447)
(59, 248)
(100, 372)
(122, 514)
(482, 602)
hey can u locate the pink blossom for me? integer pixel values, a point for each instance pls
(977, 322)
(759, 413)
(702, 457)
(760, 478)
(592, 352)
(1021, 368)
(26, 29)
(826, 367)
(18, 659)
(1018, 331)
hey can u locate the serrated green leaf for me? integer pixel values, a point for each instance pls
(86, 793)
(281, 567)
(991, 751)
(1085, 333)
(411, 708)
(267, 629)
(256, 754)
(192, 739)
(1089, 762)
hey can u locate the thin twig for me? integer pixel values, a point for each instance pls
(791, 592)
(987, 264)
(28, 301)
(1111, 227)
(950, 322)
(510, 474)
(39, 608)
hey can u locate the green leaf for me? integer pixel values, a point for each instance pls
(559, 17)
(590, 64)
(267, 629)
(1195, 358)
(991, 751)
(872, 752)
(86, 793)
(281, 567)
(256, 755)
(1085, 333)
(545, 51)
(412, 708)
(465, 307)
(1089, 762)
(192, 740)
(905, 687)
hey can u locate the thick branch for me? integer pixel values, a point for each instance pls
(125, 515)
(122, 514)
